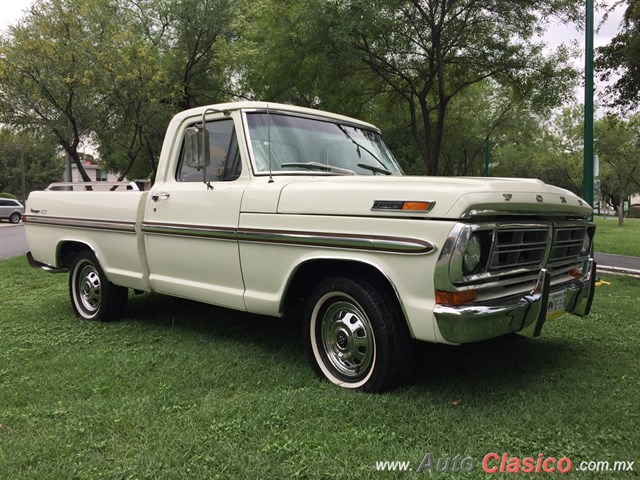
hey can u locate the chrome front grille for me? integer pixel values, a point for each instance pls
(567, 244)
(516, 248)
(513, 253)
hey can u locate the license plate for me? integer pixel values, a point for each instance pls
(556, 306)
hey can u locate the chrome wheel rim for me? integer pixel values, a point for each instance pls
(89, 289)
(347, 339)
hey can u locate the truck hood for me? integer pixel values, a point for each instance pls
(454, 197)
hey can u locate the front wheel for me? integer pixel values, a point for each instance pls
(93, 296)
(15, 217)
(355, 335)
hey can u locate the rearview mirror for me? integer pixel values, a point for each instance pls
(196, 144)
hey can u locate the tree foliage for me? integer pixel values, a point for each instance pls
(138, 99)
(36, 154)
(422, 52)
(537, 146)
(47, 71)
(620, 60)
(618, 146)
(113, 71)
(438, 76)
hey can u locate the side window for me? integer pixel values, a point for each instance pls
(225, 156)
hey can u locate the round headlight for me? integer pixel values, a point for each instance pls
(472, 255)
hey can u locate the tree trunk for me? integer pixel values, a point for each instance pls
(621, 210)
(78, 163)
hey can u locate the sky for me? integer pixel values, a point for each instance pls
(12, 10)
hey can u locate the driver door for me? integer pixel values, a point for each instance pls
(190, 226)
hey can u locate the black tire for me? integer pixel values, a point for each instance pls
(15, 217)
(355, 335)
(93, 296)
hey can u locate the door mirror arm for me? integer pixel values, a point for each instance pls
(197, 153)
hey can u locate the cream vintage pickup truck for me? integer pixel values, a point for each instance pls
(280, 210)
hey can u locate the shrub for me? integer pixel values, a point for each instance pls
(7, 195)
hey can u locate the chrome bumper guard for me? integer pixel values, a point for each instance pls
(523, 314)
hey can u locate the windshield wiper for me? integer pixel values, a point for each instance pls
(319, 166)
(359, 146)
(374, 169)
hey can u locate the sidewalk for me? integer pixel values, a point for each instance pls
(608, 263)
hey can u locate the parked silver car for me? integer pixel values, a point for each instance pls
(11, 210)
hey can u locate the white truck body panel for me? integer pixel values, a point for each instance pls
(240, 243)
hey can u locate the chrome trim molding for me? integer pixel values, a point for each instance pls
(472, 214)
(201, 231)
(391, 206)
(375, 243)
(91, 224)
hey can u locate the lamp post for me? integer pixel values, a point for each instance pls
(587, 183)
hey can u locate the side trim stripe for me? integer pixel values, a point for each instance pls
(87, 223)
(377, 243)
(290, 237)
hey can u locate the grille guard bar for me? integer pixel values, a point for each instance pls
(522, 314)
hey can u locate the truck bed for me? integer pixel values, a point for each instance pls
(107, 221)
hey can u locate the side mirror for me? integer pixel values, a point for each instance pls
(196, 144)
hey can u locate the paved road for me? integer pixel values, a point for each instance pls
(13, 242)
(622, 263)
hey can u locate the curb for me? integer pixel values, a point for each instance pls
(617, 270)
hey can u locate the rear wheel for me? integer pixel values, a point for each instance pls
(15, 217)
(93, 296)
(355, 335)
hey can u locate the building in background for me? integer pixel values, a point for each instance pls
(92, 168)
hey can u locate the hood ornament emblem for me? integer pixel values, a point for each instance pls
(539, 198)
(507, 196)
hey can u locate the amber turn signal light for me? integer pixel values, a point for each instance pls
(416, 206)
(455, 298)
(575, 273)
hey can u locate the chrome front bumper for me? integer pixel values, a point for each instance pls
(524, 314)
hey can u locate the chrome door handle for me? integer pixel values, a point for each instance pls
(160, 196)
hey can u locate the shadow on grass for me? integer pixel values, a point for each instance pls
(214, 322)
(509, 360)
(489, 365)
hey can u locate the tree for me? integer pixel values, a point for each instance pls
(618, 146)
(620, 60)
(47, 70)
(201, 32)
(424, 53)
(27, 162)
(138, 99)
(164, 57)
(431, 51)
(536, 146)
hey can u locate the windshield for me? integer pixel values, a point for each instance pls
(295, 145)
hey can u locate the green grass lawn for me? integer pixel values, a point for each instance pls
(183, 390)
(619, 240)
